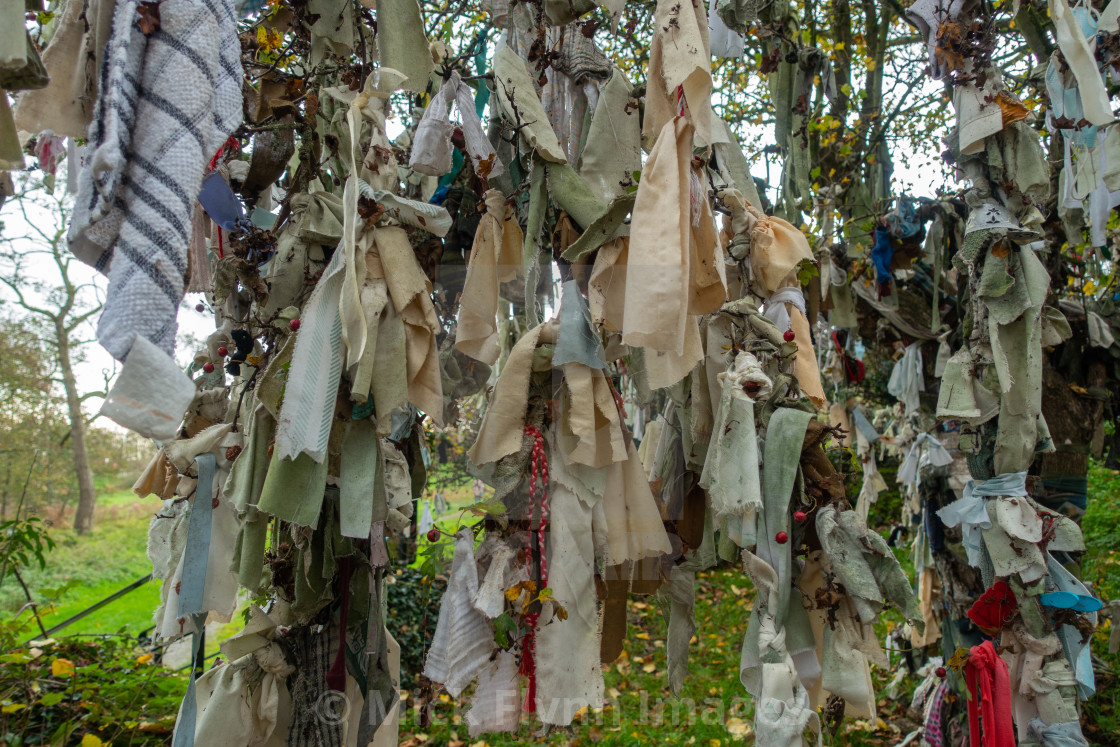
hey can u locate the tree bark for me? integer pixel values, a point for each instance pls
(87, 494)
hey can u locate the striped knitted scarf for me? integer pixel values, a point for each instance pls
(167, 101)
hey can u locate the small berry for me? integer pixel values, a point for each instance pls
(294, 325)
(800, 517)
(200, 307)
(223, 351)
(789, 336)
(751, 388)
(433, 534)
(781, 537)
(208, 367)
(940, 672)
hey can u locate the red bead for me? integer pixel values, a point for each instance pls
(294, 325)
(789, 336)
(208, 367)
(800, 517)
(223, 352)
(200, 307)
(433, 534)
(940, 672)
(781, 538)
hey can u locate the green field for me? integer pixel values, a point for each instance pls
(109, 558)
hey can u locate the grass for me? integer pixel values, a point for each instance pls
(1101, 568)
(92, 567)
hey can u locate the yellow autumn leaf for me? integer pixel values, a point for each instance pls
(62, 667)
(649, 668)
(144, 658)
(12, 707)
(91, 740)
(737, 727)
(642, 636)
(1090, 286)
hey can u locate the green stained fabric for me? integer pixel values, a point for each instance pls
(517, 95)
(729, 156)
(568, 190)
(381, 696)
(843, 313)
(562, 12)
(847, 561)
(601, 230)
(888, 574)
(316, 560)
(973, 243)
(243, 488)
(361, 503)
(677, 597)
(577, 342)
(1025, 162)
(1017, 350)
(785, 434)
(533, 247)
(612, 140)
(293, 489)
(995, 279)
(401, 43)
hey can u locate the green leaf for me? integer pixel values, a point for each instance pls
(806, 271)
(51, 699)
(504, 628)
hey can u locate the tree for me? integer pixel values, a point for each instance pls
(46, 282)
(30, 420)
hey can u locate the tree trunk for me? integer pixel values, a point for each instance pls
(87, 495)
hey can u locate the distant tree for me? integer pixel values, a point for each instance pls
(31, 417)
(48, 283)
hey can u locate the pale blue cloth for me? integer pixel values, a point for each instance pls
(193, 584)
(926, 449)
(1058, 735)
(971, 514)
(1078, 653)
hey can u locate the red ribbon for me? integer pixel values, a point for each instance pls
(538, 490)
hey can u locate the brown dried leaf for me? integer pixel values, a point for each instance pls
(149, 17)
(1012, 109)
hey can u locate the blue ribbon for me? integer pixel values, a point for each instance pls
(193, 585)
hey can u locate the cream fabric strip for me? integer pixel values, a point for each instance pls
(410, 291)
(500, 433)
(679, 57)
(568, 672)
(672, 271)
(633, 522)
(592, 418)
(495, 259)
